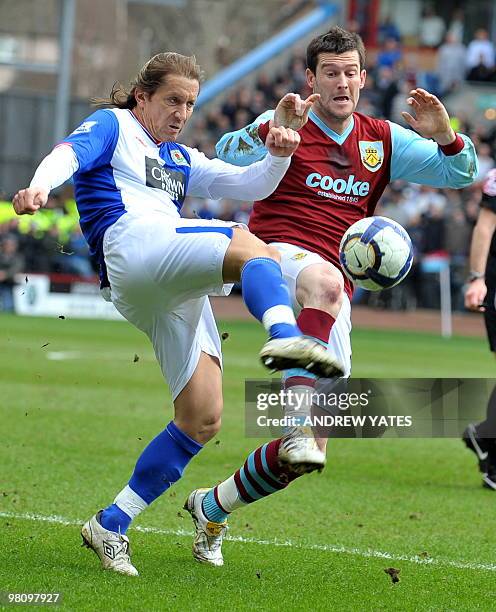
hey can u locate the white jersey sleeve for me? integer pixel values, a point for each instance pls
(214, 178)
(56, 168)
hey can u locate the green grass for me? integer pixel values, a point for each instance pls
(72, 429)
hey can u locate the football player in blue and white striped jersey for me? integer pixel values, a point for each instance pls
(131, 178)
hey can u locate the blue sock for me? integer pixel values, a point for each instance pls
(266, 296)
(159, 466)
(115, 519)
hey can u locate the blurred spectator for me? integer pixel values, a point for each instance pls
(224, 51)
(390, 55)
(388, 87)
(458, 233)
(431, 29)
(399, 102)
(486, 162)
(392, 205)
(370, 99)
(456, 26)
(430, 201)
(388, 29)
(11, 263)
(450, 60)
(481, 72)
(433, 230)
(480, 50)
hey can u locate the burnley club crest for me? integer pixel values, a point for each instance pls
(371, 154)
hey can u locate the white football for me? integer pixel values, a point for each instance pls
(376, 253)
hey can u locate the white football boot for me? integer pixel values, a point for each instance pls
(299, 452)
(207, 545)
(111, 548)
(300, 352)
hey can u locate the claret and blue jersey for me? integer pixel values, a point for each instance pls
(336, 179)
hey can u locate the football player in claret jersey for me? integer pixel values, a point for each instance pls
(131, 178)
(336, 177)
(481, 296)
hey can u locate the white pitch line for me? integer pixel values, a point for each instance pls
(93, 356)
(367, 553)
(114, 356)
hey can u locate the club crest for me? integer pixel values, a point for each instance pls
(178, 157)
(371, 154)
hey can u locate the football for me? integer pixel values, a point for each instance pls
(376, 253)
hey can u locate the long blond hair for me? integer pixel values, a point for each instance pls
(151, 77)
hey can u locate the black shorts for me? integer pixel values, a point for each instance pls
(490, 312)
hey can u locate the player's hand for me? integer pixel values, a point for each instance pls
(475, 295)
(282, 142)
(292, 111)
(28, 201)
(431, 118)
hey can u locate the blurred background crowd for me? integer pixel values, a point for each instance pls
(448, 58)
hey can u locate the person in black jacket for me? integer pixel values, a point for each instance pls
(481, 296)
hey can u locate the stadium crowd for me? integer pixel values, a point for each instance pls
(440, 222)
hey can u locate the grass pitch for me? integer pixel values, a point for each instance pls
(77, 407)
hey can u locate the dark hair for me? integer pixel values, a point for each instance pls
(151, 77)
(336, 40)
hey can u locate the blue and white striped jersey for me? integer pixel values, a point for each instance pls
(123, 169)
(119, 168)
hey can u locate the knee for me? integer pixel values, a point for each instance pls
(322, 289)
(331, 287)
(209, 427)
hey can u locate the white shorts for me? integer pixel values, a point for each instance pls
(294, 259)
(161, 270)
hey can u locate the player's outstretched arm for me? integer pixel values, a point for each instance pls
(433, 154)
(214, 178)
(92, 143)
(431, 119)
(28, 201)
(244, 146)
(247, 145)
(54, 170)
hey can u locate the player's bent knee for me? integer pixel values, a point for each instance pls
(320, 287)
(331, 287)
(210, 427)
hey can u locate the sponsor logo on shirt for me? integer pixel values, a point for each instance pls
(85, 127)
(340, 185)
(178, 157)
(172, 182)
(371, 154)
